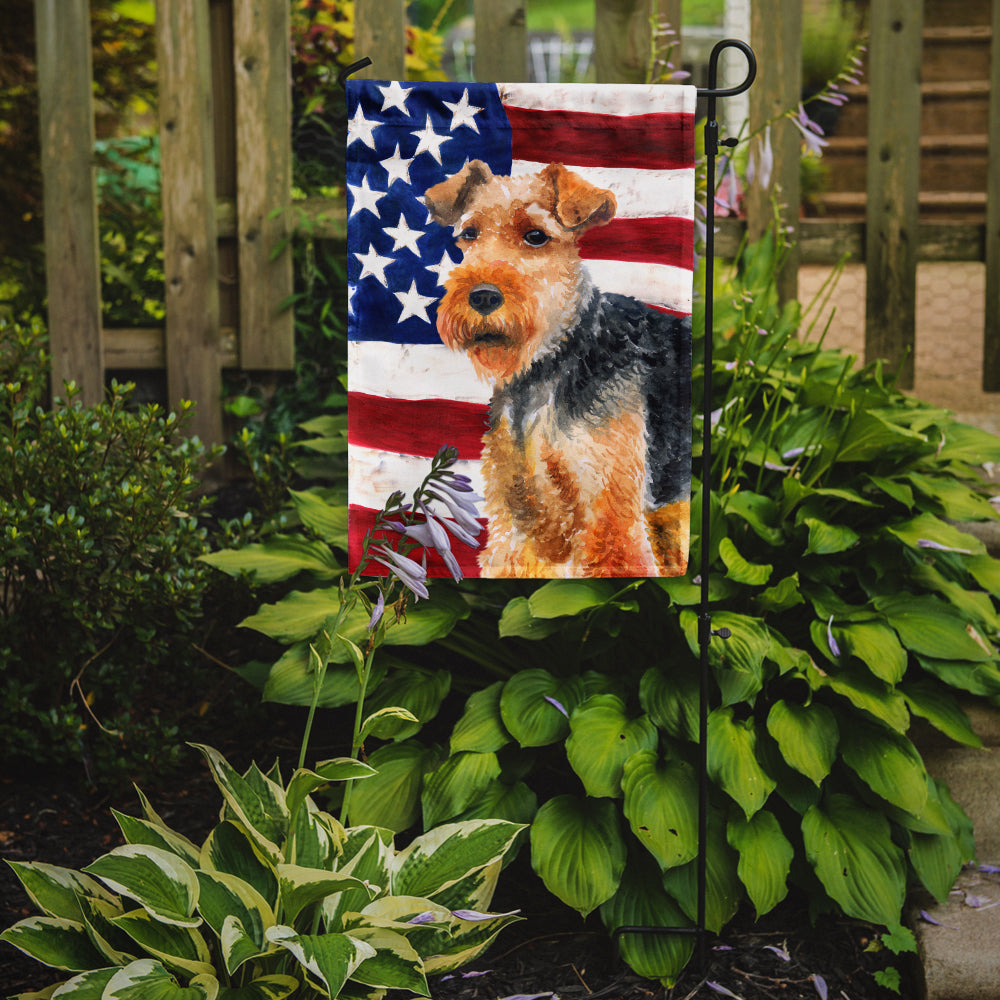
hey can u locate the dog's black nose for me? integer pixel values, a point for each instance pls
(485, 299)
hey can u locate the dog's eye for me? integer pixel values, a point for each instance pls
(536, 238)
(469, 233)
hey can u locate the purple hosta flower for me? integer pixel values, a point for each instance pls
(475, 915)
(927, 543)
(834, 648)
(431, 535)
(531, 996)
(465, 975)
(780, 952)
(811, 132)
(719, 988)
(820, 983)
(460, 502)
(727, 198)
(411, 574)
(761, 163)
(558, 705)
(927, 918)
(990, 869)
(377, 612)
(427, 917)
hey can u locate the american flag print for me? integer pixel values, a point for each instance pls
(409, 393)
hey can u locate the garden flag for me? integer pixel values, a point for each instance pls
(520, 276)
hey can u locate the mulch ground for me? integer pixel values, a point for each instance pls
(550, 953)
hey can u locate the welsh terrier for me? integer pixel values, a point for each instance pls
(587, 457)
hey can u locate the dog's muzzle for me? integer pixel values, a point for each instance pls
(485, 298)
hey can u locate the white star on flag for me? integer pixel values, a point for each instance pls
(403, 236)
(430, 141)
(360, 128)
(374, 264)
(463, 113)
(442, 269)
(364, 197)
(414, 304)
(397, 167)
(395, 96)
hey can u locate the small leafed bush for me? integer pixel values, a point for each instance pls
(280, 899)
(99, 574)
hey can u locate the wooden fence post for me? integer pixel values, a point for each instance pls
(190, 251)
(501, 41)
(776, 35)
(622, 37)
(380, 34)
(262, 60)
(893, 183)
(72, 255)
(991, 332)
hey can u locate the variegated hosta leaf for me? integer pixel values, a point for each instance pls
(86, 986)
(141, 831)
(274, 987)
(441, 857)
(304, 782)
(225, 897)
(300, 887)
(481, 727)
(329, 959)
(149, 980)
(456, 784)
(56, 891)
(158, 880)
(661, 799)
(535, 706)
(466, 941)
(732, 760)
(602, 737)
(116, 947)
(850, 847)
(177, 947)
(807, 736)
(475, 891)
(315, 838)
(578, 851)
(230, 849)
(54, 941)
(642, 902)
(367, 853)
(256, 801)
(765, 858)
(395, 964)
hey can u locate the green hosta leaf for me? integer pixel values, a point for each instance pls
(391, 798)
(141, 831)
(893, 488)
(301, 887)
(941, 709)
(965, 443)
(870, 435)
(732, 760)
(180, 948)
(850, 847)
(641, 901)
(559, 598)
(783, 595)
(225, 897)
(260, 809)
(723, 889)
(738, 569)
(986, 572)
(661, 798)
(602, 738)
(279, 558)
(937, 859)
(275, 987)
(331, 959)
(828, 539)
(957, 501)
(928, 528)
(931, 628)
(807, 736)
(528, 710)
(738, 661)
(765, 858)
(578, 851)
(976, 678)
(516, 803)
(54, 941)
(975, 605)
(456, 784)
(517, 620)
(758, 511)
(230, 849)
(441, 857)
(325, 519)
(888, 763)
(417, 690)
(865, 692)
(147, 979)
(876, 646)
(56, 891)
(159, 881)
(481, 728)
(292, 680)
(671, 700)
(387, 723)
(395, 964)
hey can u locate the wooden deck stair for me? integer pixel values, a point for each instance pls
(955, 91)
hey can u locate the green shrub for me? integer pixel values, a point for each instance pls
(99, 541)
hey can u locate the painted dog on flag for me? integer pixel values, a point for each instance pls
(586, 460)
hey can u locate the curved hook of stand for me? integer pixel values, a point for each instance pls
(352, 68)
(712, 90)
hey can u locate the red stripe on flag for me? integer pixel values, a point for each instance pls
(665, 240)
(647, 142)
(416, 426)
(362, 520)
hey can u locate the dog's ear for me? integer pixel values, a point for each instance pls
(448, 200)
(578, 204)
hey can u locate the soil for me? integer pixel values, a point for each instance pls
(550, 953)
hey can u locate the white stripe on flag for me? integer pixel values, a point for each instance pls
(609, 99)
(413, 371)
(654, 284)
(374, 475)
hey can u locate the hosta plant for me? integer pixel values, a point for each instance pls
(279, 900)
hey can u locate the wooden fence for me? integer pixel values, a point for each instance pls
(226, 160)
